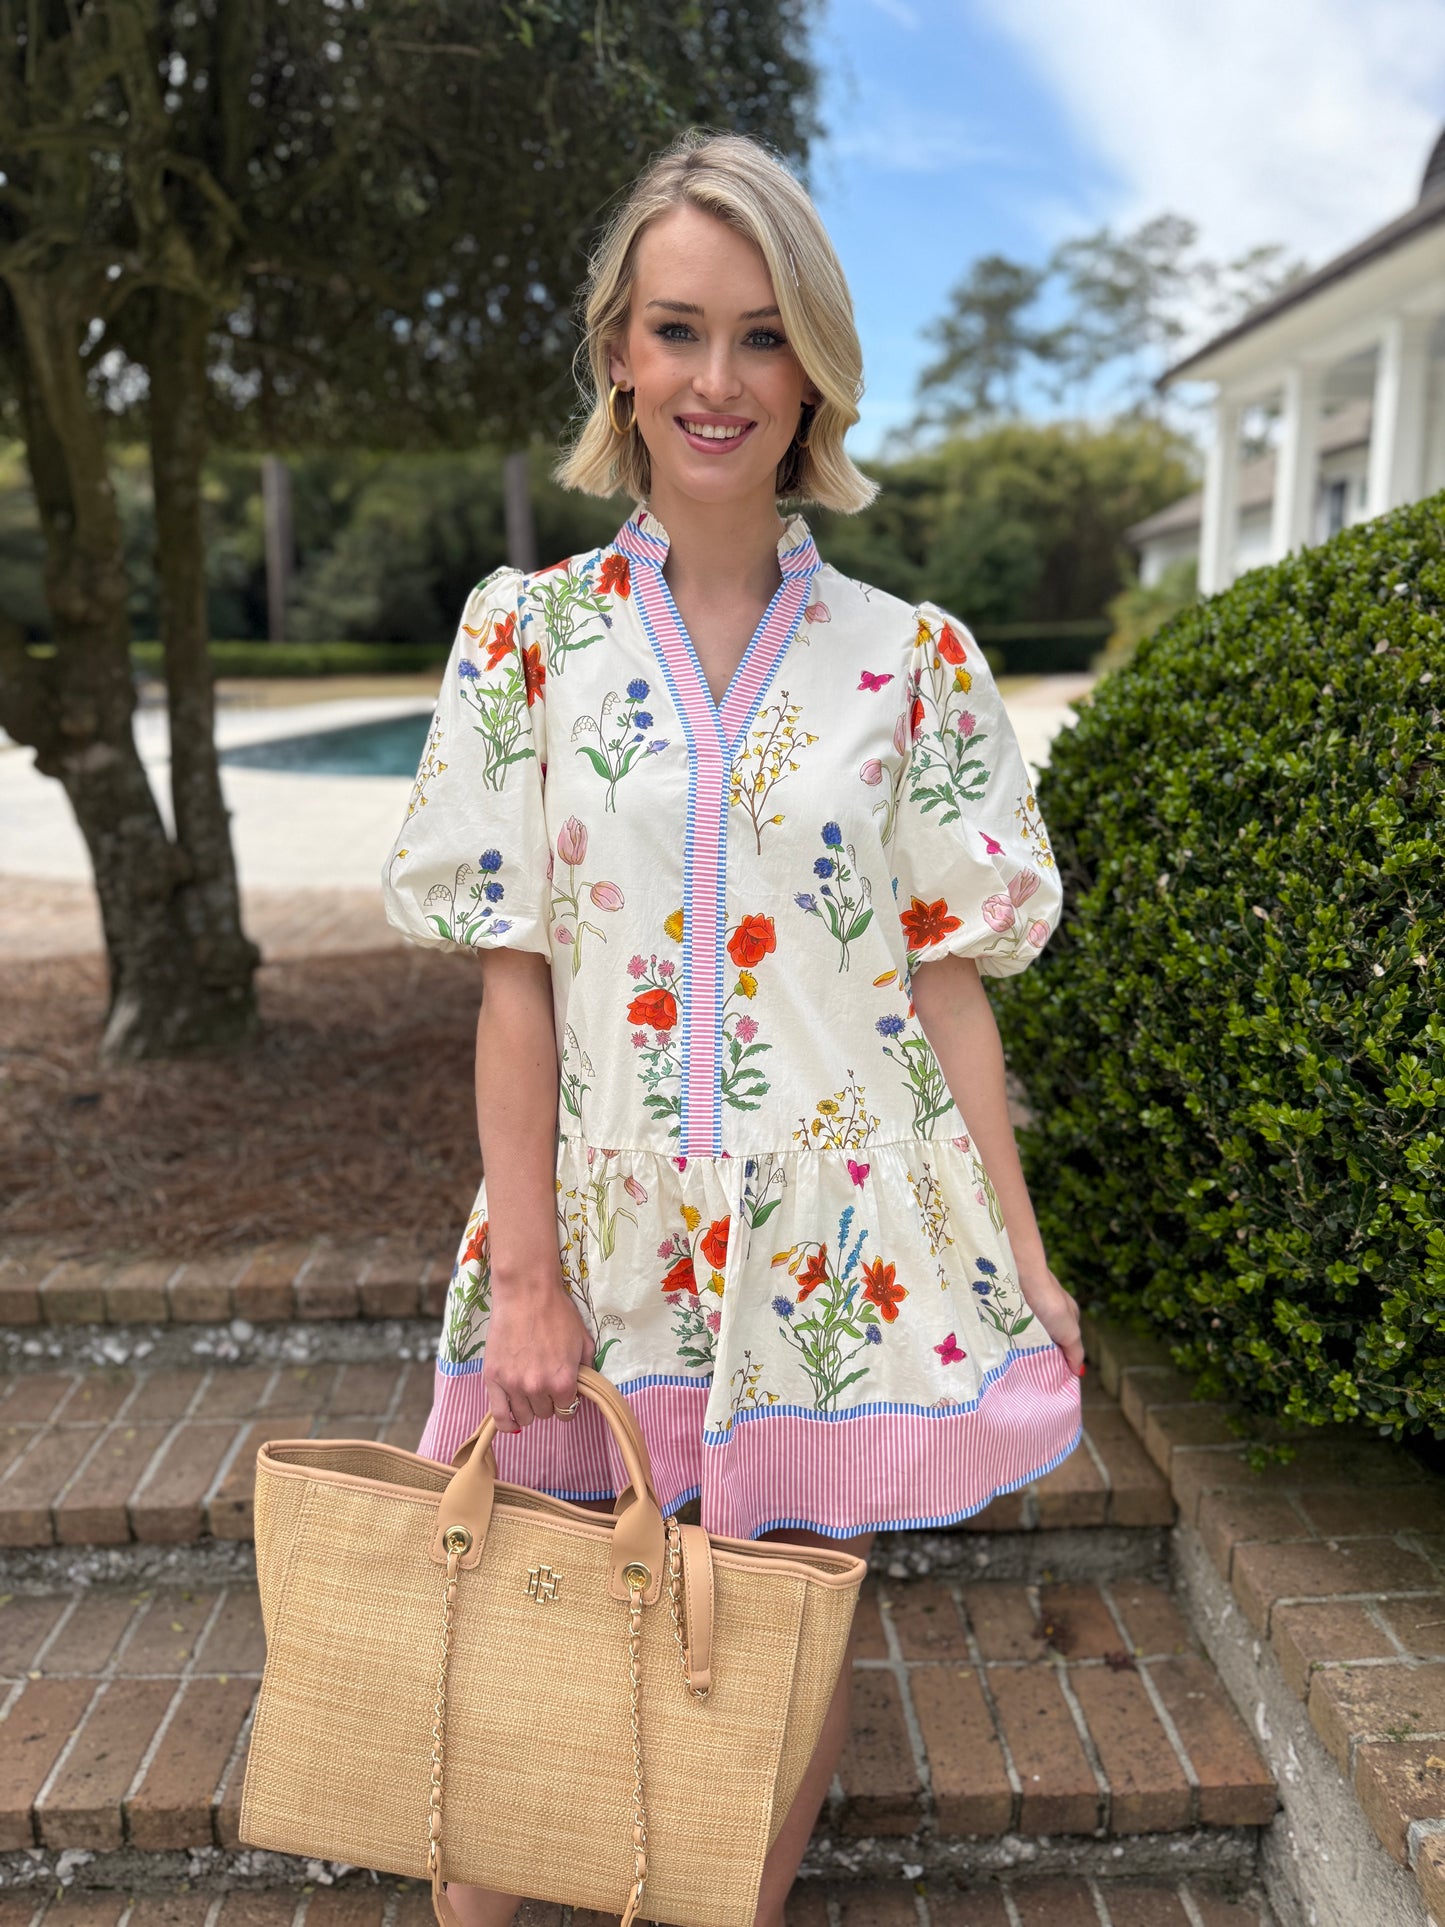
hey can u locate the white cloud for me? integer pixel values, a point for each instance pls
(899, 12)
(891, 131)
(1301, 121)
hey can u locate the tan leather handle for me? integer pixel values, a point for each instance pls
(638, 1536)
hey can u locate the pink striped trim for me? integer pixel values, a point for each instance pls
(842, 1475)
(712, 735)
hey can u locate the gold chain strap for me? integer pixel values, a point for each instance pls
(457, 1539)
(637, 1578)
(674, 1592)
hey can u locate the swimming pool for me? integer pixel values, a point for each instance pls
(391, 746)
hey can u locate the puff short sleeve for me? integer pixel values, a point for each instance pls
(469, 867)
(976, 876)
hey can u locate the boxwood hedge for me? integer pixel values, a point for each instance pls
(1234, 1048)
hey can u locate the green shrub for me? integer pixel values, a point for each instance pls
(1234, 1048)
(305, 658)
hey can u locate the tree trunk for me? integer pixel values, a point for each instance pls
(225, 956)
(75, 708)
(517, 507)
(276, 517)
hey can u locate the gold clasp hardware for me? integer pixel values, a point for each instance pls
(542, 1583)
(637, 1576)
(457, 1539)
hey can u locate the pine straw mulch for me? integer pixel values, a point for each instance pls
(353, 1114)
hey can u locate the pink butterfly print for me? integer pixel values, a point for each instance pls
(869, 681)
(818, 612)
(857, 1172)
(989, 844)
(949, 1352)
(681, 1163)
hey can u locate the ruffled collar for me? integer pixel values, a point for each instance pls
(643, 537)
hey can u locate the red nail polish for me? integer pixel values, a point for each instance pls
(1082, 1370)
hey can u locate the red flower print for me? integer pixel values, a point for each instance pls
(680, 1277)
(881, 1290)
(926, 923)
(814, 1273)
(476, 1244)
(504, 640)
(656, 1008)
(615, 577)
(949, 646)
(534, 672)
(751, 941)
(915, 718)
(715, 1243)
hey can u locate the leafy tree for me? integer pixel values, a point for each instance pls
(272, 227)
(1023, 521)
(1128, 302)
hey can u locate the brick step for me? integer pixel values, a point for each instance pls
(396, 1277)
(166, 1455)
(396, 1903)
(982, 1710)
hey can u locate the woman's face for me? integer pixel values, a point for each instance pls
(717, 389)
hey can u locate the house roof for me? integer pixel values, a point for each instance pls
(1428, 212)
(1348, 427)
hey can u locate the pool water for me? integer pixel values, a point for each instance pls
(390, 747)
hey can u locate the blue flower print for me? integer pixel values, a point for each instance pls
(490, 860)
(982, 1287)
(986, 1264)
(643, 719)
(847, 907)
(637, 690)
(783, 1307)
(873, 1335)
(493, 891)
(832, 836)
(468, 670)
(889, 1026)
(823, 867)
(806, 901)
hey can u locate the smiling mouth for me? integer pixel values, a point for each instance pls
(723, 432)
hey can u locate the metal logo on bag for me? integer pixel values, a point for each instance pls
(542, 1583)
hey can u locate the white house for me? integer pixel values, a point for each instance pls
(1354, 355)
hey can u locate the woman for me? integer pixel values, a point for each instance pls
(736, 837)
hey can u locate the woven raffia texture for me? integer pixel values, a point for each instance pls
(538, 1762)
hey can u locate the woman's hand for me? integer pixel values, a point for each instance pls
(1058, 1313)
(536, 1343)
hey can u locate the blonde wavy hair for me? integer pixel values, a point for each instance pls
(740, 182)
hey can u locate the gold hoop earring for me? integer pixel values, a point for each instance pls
(626, 427)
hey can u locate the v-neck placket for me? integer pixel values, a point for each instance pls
(714, 732)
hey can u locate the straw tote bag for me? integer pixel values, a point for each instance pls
(470, 1680)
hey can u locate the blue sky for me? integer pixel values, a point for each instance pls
(961, 127)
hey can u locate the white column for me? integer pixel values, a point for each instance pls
(1296, 462)
(1397, 430)
(1219, 527)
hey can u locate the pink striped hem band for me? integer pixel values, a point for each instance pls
(879, 1468)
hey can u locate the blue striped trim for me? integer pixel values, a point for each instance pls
(689, 851)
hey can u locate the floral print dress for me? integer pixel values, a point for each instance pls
(770, 1212)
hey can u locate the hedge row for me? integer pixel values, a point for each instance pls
(305, 658)
(1234, 1046)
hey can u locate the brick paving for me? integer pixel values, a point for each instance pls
(267, 1284)
(980, 1708)
(388, 1903)
(167, 1456)
(1336, 1558)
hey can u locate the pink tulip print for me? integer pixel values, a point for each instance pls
(571, 926)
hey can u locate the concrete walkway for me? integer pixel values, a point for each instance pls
(309, 848)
